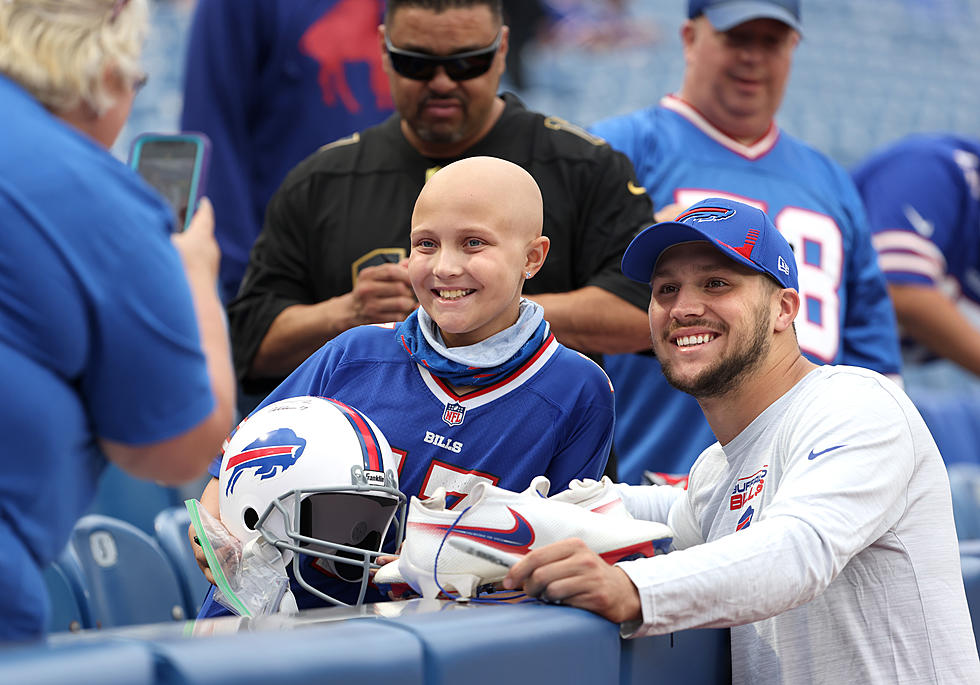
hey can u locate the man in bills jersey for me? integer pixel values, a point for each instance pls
(819, 526)
(922, 195)
(472, 387)
(717, 137)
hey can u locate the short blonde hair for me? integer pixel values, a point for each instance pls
(58, 50)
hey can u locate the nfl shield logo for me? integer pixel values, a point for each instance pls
(453, 414)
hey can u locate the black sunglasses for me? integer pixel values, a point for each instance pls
(462, 66)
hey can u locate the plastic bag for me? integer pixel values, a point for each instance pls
(250, 579)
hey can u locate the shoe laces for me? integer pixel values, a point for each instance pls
(477, 598)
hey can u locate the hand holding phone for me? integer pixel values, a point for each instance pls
(176, 164)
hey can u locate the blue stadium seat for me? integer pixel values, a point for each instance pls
(170, 527)
(129, 578)
(350, 651)
(132, 499)
(953, 417)
(516, 643)
(106, 663)
(67, 613)
(964, 487)
(689, 656)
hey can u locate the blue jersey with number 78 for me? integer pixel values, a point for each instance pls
(845, 314)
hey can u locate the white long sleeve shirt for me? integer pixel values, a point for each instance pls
(845, 565)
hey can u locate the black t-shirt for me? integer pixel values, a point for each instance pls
(349, 205)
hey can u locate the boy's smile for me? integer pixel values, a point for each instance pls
(470, 251)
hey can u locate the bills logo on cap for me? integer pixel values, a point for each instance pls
(742, 232)
(453, 415)
(269, 455)
(706, 214)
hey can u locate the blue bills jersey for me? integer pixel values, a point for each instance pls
(552, 416)
(845, 314)
(922, 195)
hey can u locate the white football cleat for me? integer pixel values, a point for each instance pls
(389, 574)
(598, 496)
(513, 523)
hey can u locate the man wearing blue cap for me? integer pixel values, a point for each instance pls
(819, 527)
(717, 137)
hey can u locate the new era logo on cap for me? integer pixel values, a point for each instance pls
(743, 233)
(782, 265)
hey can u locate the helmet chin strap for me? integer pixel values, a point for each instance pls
(261, 548)
(287, 605)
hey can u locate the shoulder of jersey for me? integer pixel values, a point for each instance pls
(352, 139)
(578, 369)
(369, 336)
(553, 123)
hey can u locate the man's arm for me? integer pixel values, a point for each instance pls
(934, 320)
(869, 337)
(811, 525)
(383, 293)
(607, 313)
(916, 194)
(594, 320)
(278, 320)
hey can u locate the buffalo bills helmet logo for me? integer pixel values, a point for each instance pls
(269, 455)
(699, 214)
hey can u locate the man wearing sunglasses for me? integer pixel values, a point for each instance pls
(336, 230)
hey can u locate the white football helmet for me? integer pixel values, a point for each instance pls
(313, 476)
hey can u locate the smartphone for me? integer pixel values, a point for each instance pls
(176, 164)
(381, 255)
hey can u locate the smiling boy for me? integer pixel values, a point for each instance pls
(472, 387)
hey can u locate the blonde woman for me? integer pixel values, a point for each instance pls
(112, 341)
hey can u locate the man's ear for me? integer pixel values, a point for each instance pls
(537, 250)
(504, 42)
(688, 31)
(789, 307)
(385, 60)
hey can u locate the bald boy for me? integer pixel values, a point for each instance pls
(476, 237)
(473, 386)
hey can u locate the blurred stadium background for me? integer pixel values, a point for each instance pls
(867, 71)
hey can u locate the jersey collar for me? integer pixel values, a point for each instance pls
(752, 151)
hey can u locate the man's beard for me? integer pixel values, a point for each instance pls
(437, 134)
(729, 372)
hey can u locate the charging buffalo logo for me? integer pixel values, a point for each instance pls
(746, 519)
(720, 214)
(747, 488)
(269, 455)
(705, 214)
(346, 35)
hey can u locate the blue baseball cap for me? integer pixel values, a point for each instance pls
(727, 14)
(741, 232)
